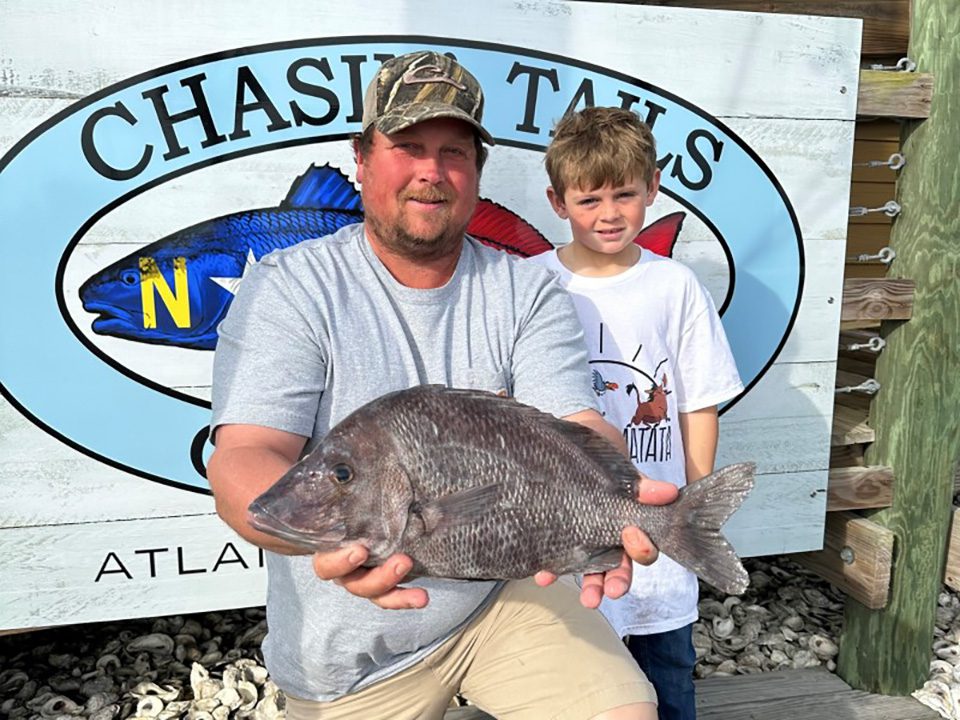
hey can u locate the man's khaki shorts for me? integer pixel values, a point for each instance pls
(535, 654)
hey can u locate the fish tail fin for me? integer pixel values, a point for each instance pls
(693, 536)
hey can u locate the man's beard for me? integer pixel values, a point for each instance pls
(398, 238)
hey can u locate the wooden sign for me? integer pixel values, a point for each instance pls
(150, 154)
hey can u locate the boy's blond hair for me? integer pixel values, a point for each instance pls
(600, 146)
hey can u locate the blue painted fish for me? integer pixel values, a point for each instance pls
(196, 271)
(175, 291)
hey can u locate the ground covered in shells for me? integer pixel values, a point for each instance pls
(208, 666)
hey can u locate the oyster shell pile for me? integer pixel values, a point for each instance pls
(201, 667)
(787, 618)
(942, 691)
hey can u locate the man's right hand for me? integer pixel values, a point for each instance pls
(377, 584)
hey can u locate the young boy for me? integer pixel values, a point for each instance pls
(660, 361)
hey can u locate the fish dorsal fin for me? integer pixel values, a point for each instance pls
(323, 188)
(502, 229)
(458, 508)
(623, 476)
(661, 236)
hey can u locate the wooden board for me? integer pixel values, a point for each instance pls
(632, 42)
(761, 527)
(811, 694)
(871, 195)
(803, 137)
(846, 456)
(876, 139)
(864, 574)
(878, 129)
(894, 94)
(866, 239)
(919, 357)
(868, 151)
(859, 488)
(850, 427)
(863, 364)
(65, 573)
(874, 300)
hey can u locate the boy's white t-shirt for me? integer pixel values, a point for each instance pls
(657, 348)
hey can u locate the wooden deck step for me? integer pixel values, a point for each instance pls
(812, 694)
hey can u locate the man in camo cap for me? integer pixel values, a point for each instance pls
(403, 299)
(420, 86)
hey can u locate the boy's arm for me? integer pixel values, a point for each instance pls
(699, 429)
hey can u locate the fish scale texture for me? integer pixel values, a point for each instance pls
(260, 230)
(556, 507)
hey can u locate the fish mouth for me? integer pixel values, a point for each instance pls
(110, 317)
(262, 520)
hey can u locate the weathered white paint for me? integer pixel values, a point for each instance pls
(50, 572)
(778, 514)
(774, 66)
(786, 85)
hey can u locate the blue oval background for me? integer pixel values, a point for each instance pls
(50, 196)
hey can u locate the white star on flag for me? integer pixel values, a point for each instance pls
(232, 284)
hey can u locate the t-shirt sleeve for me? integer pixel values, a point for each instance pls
(270, 363)
(550, 369)
(706, 371)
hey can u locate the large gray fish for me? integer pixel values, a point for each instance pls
(476, 486)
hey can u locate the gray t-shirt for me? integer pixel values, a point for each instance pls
(321, 328)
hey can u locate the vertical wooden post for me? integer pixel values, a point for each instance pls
(916, 413)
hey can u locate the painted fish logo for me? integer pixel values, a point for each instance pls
(176, 290)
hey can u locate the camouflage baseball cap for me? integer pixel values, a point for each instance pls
(420, 86)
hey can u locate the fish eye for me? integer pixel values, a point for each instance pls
(342, 473)
(129, 277)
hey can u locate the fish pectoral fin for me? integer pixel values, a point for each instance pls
(459, 508)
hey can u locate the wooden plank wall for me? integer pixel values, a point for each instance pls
(874, 140)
